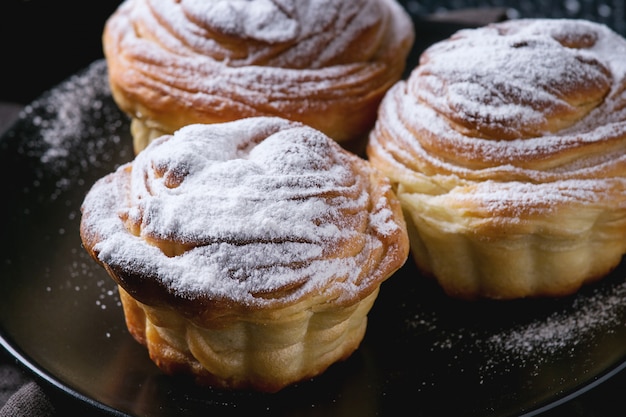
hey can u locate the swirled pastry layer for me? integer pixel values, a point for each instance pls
(247, 229)
(324, 63)
(508, 143)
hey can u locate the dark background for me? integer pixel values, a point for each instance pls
(45, 41)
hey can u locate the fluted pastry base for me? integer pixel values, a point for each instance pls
(548, 257)
(264, 350)
(143, 132)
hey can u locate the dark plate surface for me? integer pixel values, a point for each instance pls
(61, 316)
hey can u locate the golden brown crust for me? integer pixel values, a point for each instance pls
(507, 146)
(272, 351)
(326, 64)
(262, 232)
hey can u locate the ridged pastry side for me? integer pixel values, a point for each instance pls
(324, 63)
(263, 352)
(246, 246)
(507, 147)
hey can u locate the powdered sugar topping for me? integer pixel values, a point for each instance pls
(261, 20)
(507, 82)
(285, 33)
(194, 191)
(501, 102)
(523, 79)
(242, 210)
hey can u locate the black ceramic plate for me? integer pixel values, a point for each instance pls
(60, 313)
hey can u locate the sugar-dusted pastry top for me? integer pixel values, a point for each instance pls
(256, 213)
(214, 59)
(535, 101)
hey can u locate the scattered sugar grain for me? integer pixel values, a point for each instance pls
(76, 128)
(532, 345)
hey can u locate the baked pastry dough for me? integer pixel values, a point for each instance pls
(326, 63)
(507, 146)
(247, 253)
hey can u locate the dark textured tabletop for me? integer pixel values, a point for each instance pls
(44, 42)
